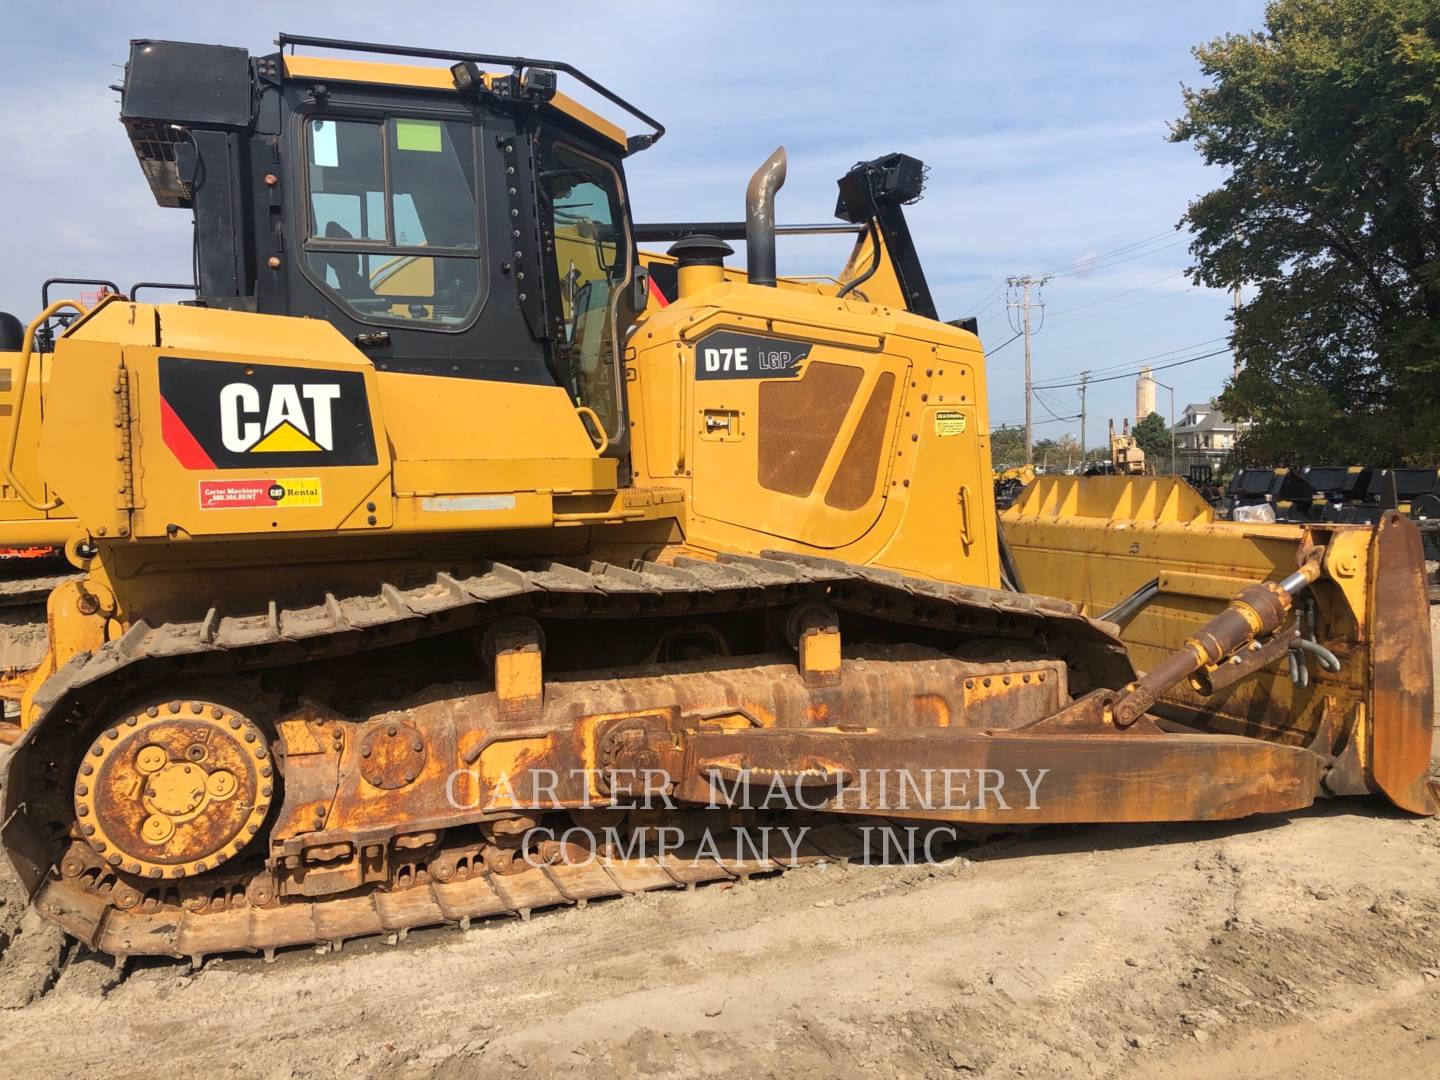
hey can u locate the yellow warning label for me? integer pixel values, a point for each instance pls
(302, 492)
(948, 422)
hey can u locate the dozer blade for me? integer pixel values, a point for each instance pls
(1148, 554)
(1401, 667)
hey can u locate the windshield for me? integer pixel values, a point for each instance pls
(380, 190)
(581, 197)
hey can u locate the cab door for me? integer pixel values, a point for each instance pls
(400, 230)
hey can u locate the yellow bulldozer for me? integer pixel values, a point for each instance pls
(449, 558)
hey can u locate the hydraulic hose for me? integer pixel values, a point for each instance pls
(855, 282)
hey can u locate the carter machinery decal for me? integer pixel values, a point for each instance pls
(250, 494)
(218, 414)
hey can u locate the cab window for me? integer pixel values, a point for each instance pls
(394, 220)
(581, 198)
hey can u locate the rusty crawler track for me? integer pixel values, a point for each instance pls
(340, 626)
(39, 818)
(237, 926)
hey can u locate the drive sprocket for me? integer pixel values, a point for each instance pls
(175, 789)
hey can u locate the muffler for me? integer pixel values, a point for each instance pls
(760, 218)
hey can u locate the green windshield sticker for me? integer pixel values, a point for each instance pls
(422, 135)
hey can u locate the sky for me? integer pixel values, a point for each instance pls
(1044, 126)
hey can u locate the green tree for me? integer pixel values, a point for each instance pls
(1154, 438)
(1327, 123)
(1007, 446)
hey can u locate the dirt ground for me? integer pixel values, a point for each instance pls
(1300, 946)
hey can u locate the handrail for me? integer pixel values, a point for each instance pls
(45, 288)
(22, 378)
(516, 63)
(172, 286)
(604, 442)
(659, 231)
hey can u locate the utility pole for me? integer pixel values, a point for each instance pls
(1084, 378)
(1172, 420)
(1235, 322)
(1025, 284)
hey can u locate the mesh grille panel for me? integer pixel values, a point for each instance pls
(854, 481)
(798, 423)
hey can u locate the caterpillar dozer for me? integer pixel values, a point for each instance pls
(447, 531)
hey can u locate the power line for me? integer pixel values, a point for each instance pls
(1107, 254)
(984, 301)
(1037, 423)
(1084, 265)
(1156, 367)
(997, 348)
(1116, 296)
(1096, 264)
(1046, 405)
(1126, 307)
(1129, 363)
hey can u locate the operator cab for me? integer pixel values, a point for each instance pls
(450, 221)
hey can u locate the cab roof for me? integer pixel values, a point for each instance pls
(174, 87)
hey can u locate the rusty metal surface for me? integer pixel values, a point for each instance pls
(1257, 611)
(175, 789)
(1120, 776)
(232, 923)
(275, 636)
(336, 626)
(350, 854)
(1245, 664)
(416, 811)
(1097, 540)
(391, 754)
(1401, 665)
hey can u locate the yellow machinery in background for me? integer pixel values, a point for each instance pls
(1010, 482)
(1126, 456)
(431, 536)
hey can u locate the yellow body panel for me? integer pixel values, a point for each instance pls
(931, 488)
(22, 526)
(17, 517)
(453, 455)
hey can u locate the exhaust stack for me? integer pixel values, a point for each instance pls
(760, 218)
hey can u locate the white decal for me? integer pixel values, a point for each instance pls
(240, 410)
(728, 359)
(236, 400)
(450, 504)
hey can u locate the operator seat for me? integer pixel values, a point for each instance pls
(350, 282)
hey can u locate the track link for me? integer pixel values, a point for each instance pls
(221, 641)
(237, 926)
